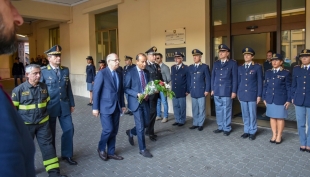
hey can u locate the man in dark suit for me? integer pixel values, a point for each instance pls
(16, 147)
(134, 85)
(109, 103)
(56, 77)
(267, 64)
(129, 65)
(155, 74)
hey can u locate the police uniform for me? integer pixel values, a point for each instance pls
(127, 68)
(31, 104)
(224, 82)
(179, 75)
(276, 92)
(250, 86)
(301, 99)
(199, 83)
(90, 76)
(155, 74)
(59, 88)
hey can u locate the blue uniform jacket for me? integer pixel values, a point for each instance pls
(277, 87)
(250, 82)
(107, 97)
(16, 147)
(90, 73)
(179, 84)
(126, 68)
(59, 90)
(199, 80)
(132, 86)
(301, 86)
(224, 80)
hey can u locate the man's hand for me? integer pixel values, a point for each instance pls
(206, 93)
(72, 109)
(186, 94)
(233, 95)
(92, 82)
(287, 105)
(265, 103)
(258, 100)
(96, 113)
(123, 109)
(212, 93)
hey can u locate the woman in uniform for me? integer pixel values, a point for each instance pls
(90, 77)
(277, 96)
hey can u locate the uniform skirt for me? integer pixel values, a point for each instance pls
(89, 86)
(276, 111)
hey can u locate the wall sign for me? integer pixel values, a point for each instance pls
(175, 36)
(170, 53)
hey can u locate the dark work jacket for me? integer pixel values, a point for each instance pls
(18, 69)
(155, 74)
(90, 73)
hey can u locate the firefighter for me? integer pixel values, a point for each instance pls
(30, 99)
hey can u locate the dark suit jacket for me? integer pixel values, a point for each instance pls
(16, 147)
(199, 80)
(106, 96)
(59, 90)
(301, 86)
(132, 86)
(179, 80)
(155, 74)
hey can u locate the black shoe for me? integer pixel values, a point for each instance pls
(302, 149)
(252, 137)
(279, 142)
(175, 123)
(130, 113)
(153, 137)
(272, 141)
(130, 138)
(226, 133)
(146, 153)
(89, 104)
(127, 112)
(217, 131)
(180, 125)
(103, 155)
(308, 150)
(200, 128)
(244, 135)
(56, 174)
(193, 127)
(69, 160)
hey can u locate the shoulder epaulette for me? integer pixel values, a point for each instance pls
(233, 60)
(269, 70)
(258, 64)
(43, 67)
(296, 66)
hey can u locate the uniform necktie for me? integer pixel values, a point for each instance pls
(142, 80)
(305, 67)
(275, 71)
(247, 67)
(177, 67)
(57, 73)
(115, 78)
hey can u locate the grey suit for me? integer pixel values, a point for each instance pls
(165, 72)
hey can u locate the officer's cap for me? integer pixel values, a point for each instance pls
(276, 56)
(55, 50)
(178, 54)
(248, 50)
(89, 58)
(102, 61)
(305, 52)
(152, 50)
(128, 57)
(223, 47)
(196, 52)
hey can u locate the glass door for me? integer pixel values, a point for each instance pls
(107, 42)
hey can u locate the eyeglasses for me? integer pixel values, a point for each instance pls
(116, 60)
(157, 58)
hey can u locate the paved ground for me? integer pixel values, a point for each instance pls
(181, 152)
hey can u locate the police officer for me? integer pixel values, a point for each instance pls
(277, 96)
(56, 77)
(31, 99)
(179, 75)
(250, 88)
(301, 99)
(224, 82)
(199, 85)
(155, 74)
(129, 65)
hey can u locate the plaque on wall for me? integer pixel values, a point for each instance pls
(175, 36)
(170, 53)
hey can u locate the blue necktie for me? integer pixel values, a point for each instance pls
(115, 79)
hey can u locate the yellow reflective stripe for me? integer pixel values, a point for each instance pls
(41, 105)
(49, 167)
(48, 99)
(16, 103)
(44, 120)
(27, 107)
(50, 161)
